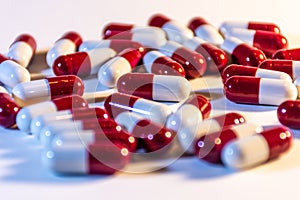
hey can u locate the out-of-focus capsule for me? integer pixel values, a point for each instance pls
(216, 58)
(71, 115)
(242, 53)
(154, 87)
(99, 158)
(205, 31)
(47, 89)
(287, 54)
(8, 109)
(191, 112)
(12, 73)
(117, 45)
(257, 149)
(153, 136)
(297, 84)
(288, 114)
(123, 63)
(267, 41)
(290, 67)
(157, 63)
(82, 63)
(174, 30)
(209, 147)
(193, 63)
(253, 90)
(264, 26)
(118, 103)
(187, 136)
(242, 70)
(148, 39)
(67, 44)
(26, 114)
(22, 49)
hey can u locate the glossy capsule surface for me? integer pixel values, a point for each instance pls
(157, 63)
(154, 87)
(287, 54)
(47, 89)
(22, 49)
(253, 90)
(257, 149)
(288, 114)
(68, 43)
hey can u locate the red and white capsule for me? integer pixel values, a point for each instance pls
(47, 89)
(193, 63)
(82, 63)
(153, 136)
(264, 26)
(157, 63)
(205, 31)
(123, 63)
(209, 147)
(66, 44)
(174, 30)
(288, 114)
(257, 149)
(192, 111)
(71, 115)
(242, 70)
(8, 109)
(22, 49)
(242, 53)
(254, 90)
(155, 111)
(287, 54)
(12, 73)
(154, 87)
(268, 42)
(188, 135)
(290, 67)
(99, 158)
(216, 58)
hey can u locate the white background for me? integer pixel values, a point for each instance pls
(22, 175)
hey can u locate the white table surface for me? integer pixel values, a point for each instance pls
(22, 174)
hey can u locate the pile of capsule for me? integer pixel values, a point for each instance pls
(85, 138)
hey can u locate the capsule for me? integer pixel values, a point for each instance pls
(268, 42)
(288, 114)
(174, 30)
(8, 109)
(39, 122)
(82, 63)
(216, 58)
(100, 158)
(209, 147)
(242, 70)
(123, 63)
(257, 149)
(116, 45)
(193, 63)
(289, 67)
(297, 84)
(154, 87)
(26, 114)
(264, 26)
(47, 89)
(157, 63)
(205, 31)
(253, 90)
(188, 135)
(153, 136)
(287, 54)
(12, 73)
(193, 110)
(148, 39)
(67, 44)
(242, 53)
(22, 49)
(118, 103)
